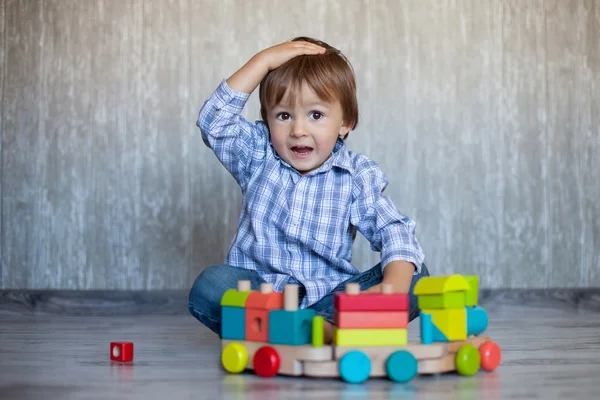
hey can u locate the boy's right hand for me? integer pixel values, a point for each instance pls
(247, 78)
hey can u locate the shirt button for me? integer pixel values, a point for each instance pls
(296, 221)
(226, 97)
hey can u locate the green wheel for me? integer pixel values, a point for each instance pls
(467, 360)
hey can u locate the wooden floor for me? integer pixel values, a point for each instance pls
(547, 354)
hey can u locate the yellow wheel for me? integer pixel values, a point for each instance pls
(234, 358)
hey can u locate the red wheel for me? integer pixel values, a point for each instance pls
(266, 362)
(490, 356)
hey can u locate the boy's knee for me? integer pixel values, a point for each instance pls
(203, 294)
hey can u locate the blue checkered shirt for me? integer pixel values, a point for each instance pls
(295, 228)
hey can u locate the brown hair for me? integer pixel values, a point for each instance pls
(330, 75)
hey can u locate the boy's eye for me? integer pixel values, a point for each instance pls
(283, 116)
(316, 115)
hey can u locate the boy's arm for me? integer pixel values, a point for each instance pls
(234, 140)
(388, 231)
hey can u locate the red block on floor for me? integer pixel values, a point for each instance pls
(371, 319)
(371, 302)
(121, 351)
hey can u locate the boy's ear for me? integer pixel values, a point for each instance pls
(344, 129)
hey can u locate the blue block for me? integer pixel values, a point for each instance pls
(426, 328)
(437, 335)
(233, 323)
(477, 320)
(291, 327)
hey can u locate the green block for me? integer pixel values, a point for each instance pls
(317, 331)
(233, 298)
(446, 300)
(291, 327)
(472, 294)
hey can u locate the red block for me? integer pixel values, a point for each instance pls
(257, 325)
(370, 302)
(371, 319)
(121, 351)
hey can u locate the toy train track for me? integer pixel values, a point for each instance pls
(264, 331)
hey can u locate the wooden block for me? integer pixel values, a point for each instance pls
(321, 369)
(291, 327)
(265, 301)
(442, 301)
(441, 284)
(121, 351)
(244, 286)
(452, 323)
(257, 325)
(420, 351)
(300, 353)
(370, 337)
(474, 340)
(437, 366)
(371, 319)
(233, 323)
(291, 357)
(318, 331)
(290, 297)
(234, 298)
(370, 302)
(473, 293)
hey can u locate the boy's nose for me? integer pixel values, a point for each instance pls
(298, 129)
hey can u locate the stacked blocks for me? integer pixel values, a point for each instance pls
(258, 306)
(370, 319)
(449, 310)
(290, 325)
(265, 316)
(233, 312)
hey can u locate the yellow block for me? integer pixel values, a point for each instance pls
(370, 337)
(452, 322)
(441, 284)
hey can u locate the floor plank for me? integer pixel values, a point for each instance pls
(547, 354)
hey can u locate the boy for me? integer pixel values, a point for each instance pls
(304, 194)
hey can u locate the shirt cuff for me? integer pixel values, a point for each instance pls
(229, 100)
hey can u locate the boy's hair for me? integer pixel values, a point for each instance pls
(330, 75)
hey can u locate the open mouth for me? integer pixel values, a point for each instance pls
(302, 151)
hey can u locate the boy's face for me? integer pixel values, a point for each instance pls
(304, 134)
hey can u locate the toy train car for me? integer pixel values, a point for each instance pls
(265, 331)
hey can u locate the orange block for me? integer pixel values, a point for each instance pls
(264, 301)
(371, 319)
(257, 325)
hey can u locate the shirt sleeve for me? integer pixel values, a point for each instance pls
(375, 216)
(235, 141)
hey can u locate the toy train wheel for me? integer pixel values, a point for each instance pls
(234, 358)
(355, 367)
(266, 362)
(467, 360)
(401, 366)
(491, 355)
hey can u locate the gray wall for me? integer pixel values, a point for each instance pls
(484, 113)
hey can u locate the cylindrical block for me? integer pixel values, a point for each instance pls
(352, 288)
(477, 320)
(426, 329)
(266, 288)
(243, 286)
(317, 331)
(290, 297)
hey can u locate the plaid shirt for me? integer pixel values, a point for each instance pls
(295, 228)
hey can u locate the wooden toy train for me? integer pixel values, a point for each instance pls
(265, 331)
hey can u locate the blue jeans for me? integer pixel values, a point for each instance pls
(211, 284)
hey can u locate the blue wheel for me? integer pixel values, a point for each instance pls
(401, 366)
(355, 367)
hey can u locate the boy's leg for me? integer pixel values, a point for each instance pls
(366, 280)
(209, 287)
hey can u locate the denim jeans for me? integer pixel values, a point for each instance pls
(211, 284)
